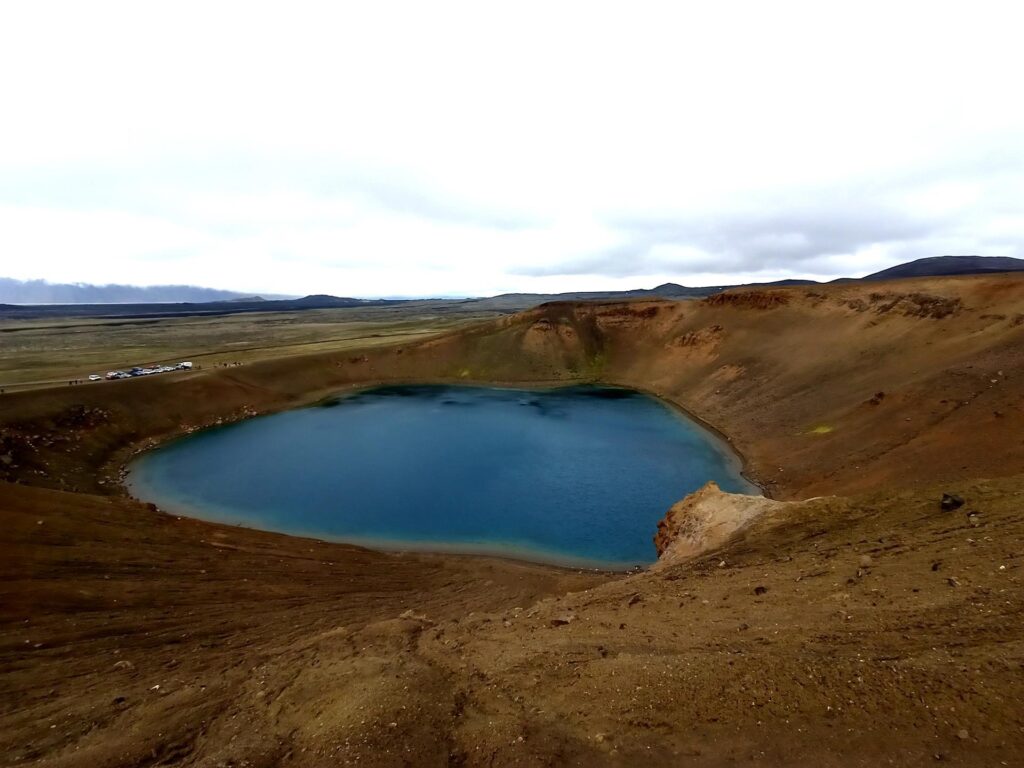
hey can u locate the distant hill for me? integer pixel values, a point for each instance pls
(56, 300)
(937, 266)
(44, 292)
(515, 301)
(186, 309)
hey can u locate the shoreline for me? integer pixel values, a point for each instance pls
(496, 550)
(399, 547)
(722, 437)
(864, 618)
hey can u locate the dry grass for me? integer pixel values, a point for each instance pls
(52, 352)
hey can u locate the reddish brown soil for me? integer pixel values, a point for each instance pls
(868, 630)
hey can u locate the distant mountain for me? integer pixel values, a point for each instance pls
(56, 300)
(937, 266)
(515, 301)
(185, 309)
(44, 292)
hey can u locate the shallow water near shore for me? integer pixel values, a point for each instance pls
(574, 476)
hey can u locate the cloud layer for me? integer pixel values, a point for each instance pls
(461, 149)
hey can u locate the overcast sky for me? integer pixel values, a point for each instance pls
(434, 148)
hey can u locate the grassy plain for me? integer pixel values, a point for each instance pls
(43, 353)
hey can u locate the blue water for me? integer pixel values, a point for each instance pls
(578, 475)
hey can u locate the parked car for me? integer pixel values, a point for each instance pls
(185, 366)
(95, 377)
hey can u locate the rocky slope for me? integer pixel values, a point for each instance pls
(868, 626)
(823, 390)
(838, 632)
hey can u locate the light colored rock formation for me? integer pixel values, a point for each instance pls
(705, 520)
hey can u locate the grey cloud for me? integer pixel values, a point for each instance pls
(787, 238)
(811, 231)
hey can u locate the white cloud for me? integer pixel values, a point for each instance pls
(392, 148)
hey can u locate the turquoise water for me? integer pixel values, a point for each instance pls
(579, 475)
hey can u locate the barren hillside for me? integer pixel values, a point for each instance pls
(869, 626)
(823, 390)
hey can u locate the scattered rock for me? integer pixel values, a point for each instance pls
(963, 734)
(561, 621)
(936, 565)
(748, 299)
(634, 600)
(759, 590)
(411, 615)
(865, 561)
(951, 501)
(124, 665)
(877, 398)
(953, 581)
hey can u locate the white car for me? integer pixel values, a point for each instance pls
(95, 377)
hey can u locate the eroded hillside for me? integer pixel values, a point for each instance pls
(873, 625)
(823, 389)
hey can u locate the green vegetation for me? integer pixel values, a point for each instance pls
(596, 364)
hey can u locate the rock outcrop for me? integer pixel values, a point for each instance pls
(705, 520)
